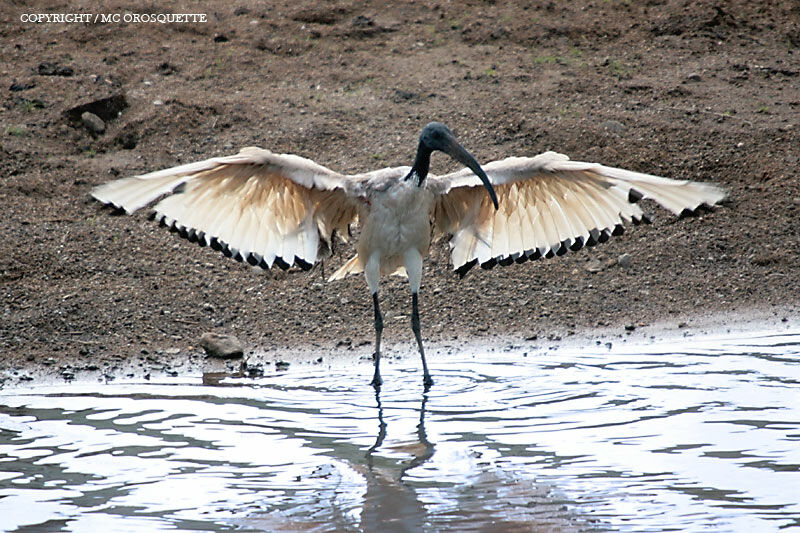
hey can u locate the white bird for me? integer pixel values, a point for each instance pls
(281, 209)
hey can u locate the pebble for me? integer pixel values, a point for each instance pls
(253, 370)
(127, 140)
(16, 87)
(221, 346)
(594, 266)
(49, 68)
(614, 126)
(624, 260)
(93, 123)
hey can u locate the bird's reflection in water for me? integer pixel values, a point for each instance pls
(485, 496)
(389, 503)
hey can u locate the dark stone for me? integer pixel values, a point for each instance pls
(49, 68)
(93, 123)
(127, 140)
(17, 87)
(107, 108)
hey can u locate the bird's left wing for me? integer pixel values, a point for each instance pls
(548, 205)
(257, 206)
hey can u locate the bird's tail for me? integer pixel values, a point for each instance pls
(353, 266)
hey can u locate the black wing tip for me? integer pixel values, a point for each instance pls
(634, 196)
(251, 258)
(466, 267)
(596, 236)
(113, 209)
(490, 264)
(695, 212)
(577, 244)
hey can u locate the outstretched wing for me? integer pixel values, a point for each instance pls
(548, 205)
(256, 206)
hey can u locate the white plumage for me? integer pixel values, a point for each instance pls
(270, 209)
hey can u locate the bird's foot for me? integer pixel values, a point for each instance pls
(376, 382)
(427, 381)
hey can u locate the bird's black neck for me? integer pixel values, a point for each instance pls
(421, 164)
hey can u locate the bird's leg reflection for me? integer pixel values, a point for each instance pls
(425, 451)
(381, 429)
(389, 502)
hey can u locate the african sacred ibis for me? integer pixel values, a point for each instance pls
(278, 209)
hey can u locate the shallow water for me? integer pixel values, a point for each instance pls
(698, 434)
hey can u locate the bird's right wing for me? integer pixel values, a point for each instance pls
(257, 206)
(547, 205)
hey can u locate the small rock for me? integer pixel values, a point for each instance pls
(694, 76)
(166, 69)
(361, 21)
(401, 95)
(93, 123)
(49, 68)
(624, 260)
(107, 108)
(630, 327)
(282, 365)
(221, 346)
(127, 140)
(594, 266)
(253, 370)
(614, 126)
(220, 38)
(30, 104)
(17, 87)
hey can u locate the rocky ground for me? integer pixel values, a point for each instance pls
(706, 90)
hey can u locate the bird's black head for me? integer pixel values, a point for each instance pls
(437, 136)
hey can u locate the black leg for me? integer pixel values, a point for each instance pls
(376, 379)
(426, 376)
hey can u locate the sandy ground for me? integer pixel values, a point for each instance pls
(691, 90)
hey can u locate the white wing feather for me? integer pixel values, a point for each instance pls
(549, 204)
(256, 205)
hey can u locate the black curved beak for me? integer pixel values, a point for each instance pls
(452, 148)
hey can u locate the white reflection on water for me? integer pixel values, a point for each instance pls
(692, 435)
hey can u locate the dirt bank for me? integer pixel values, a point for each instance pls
(692, 90)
